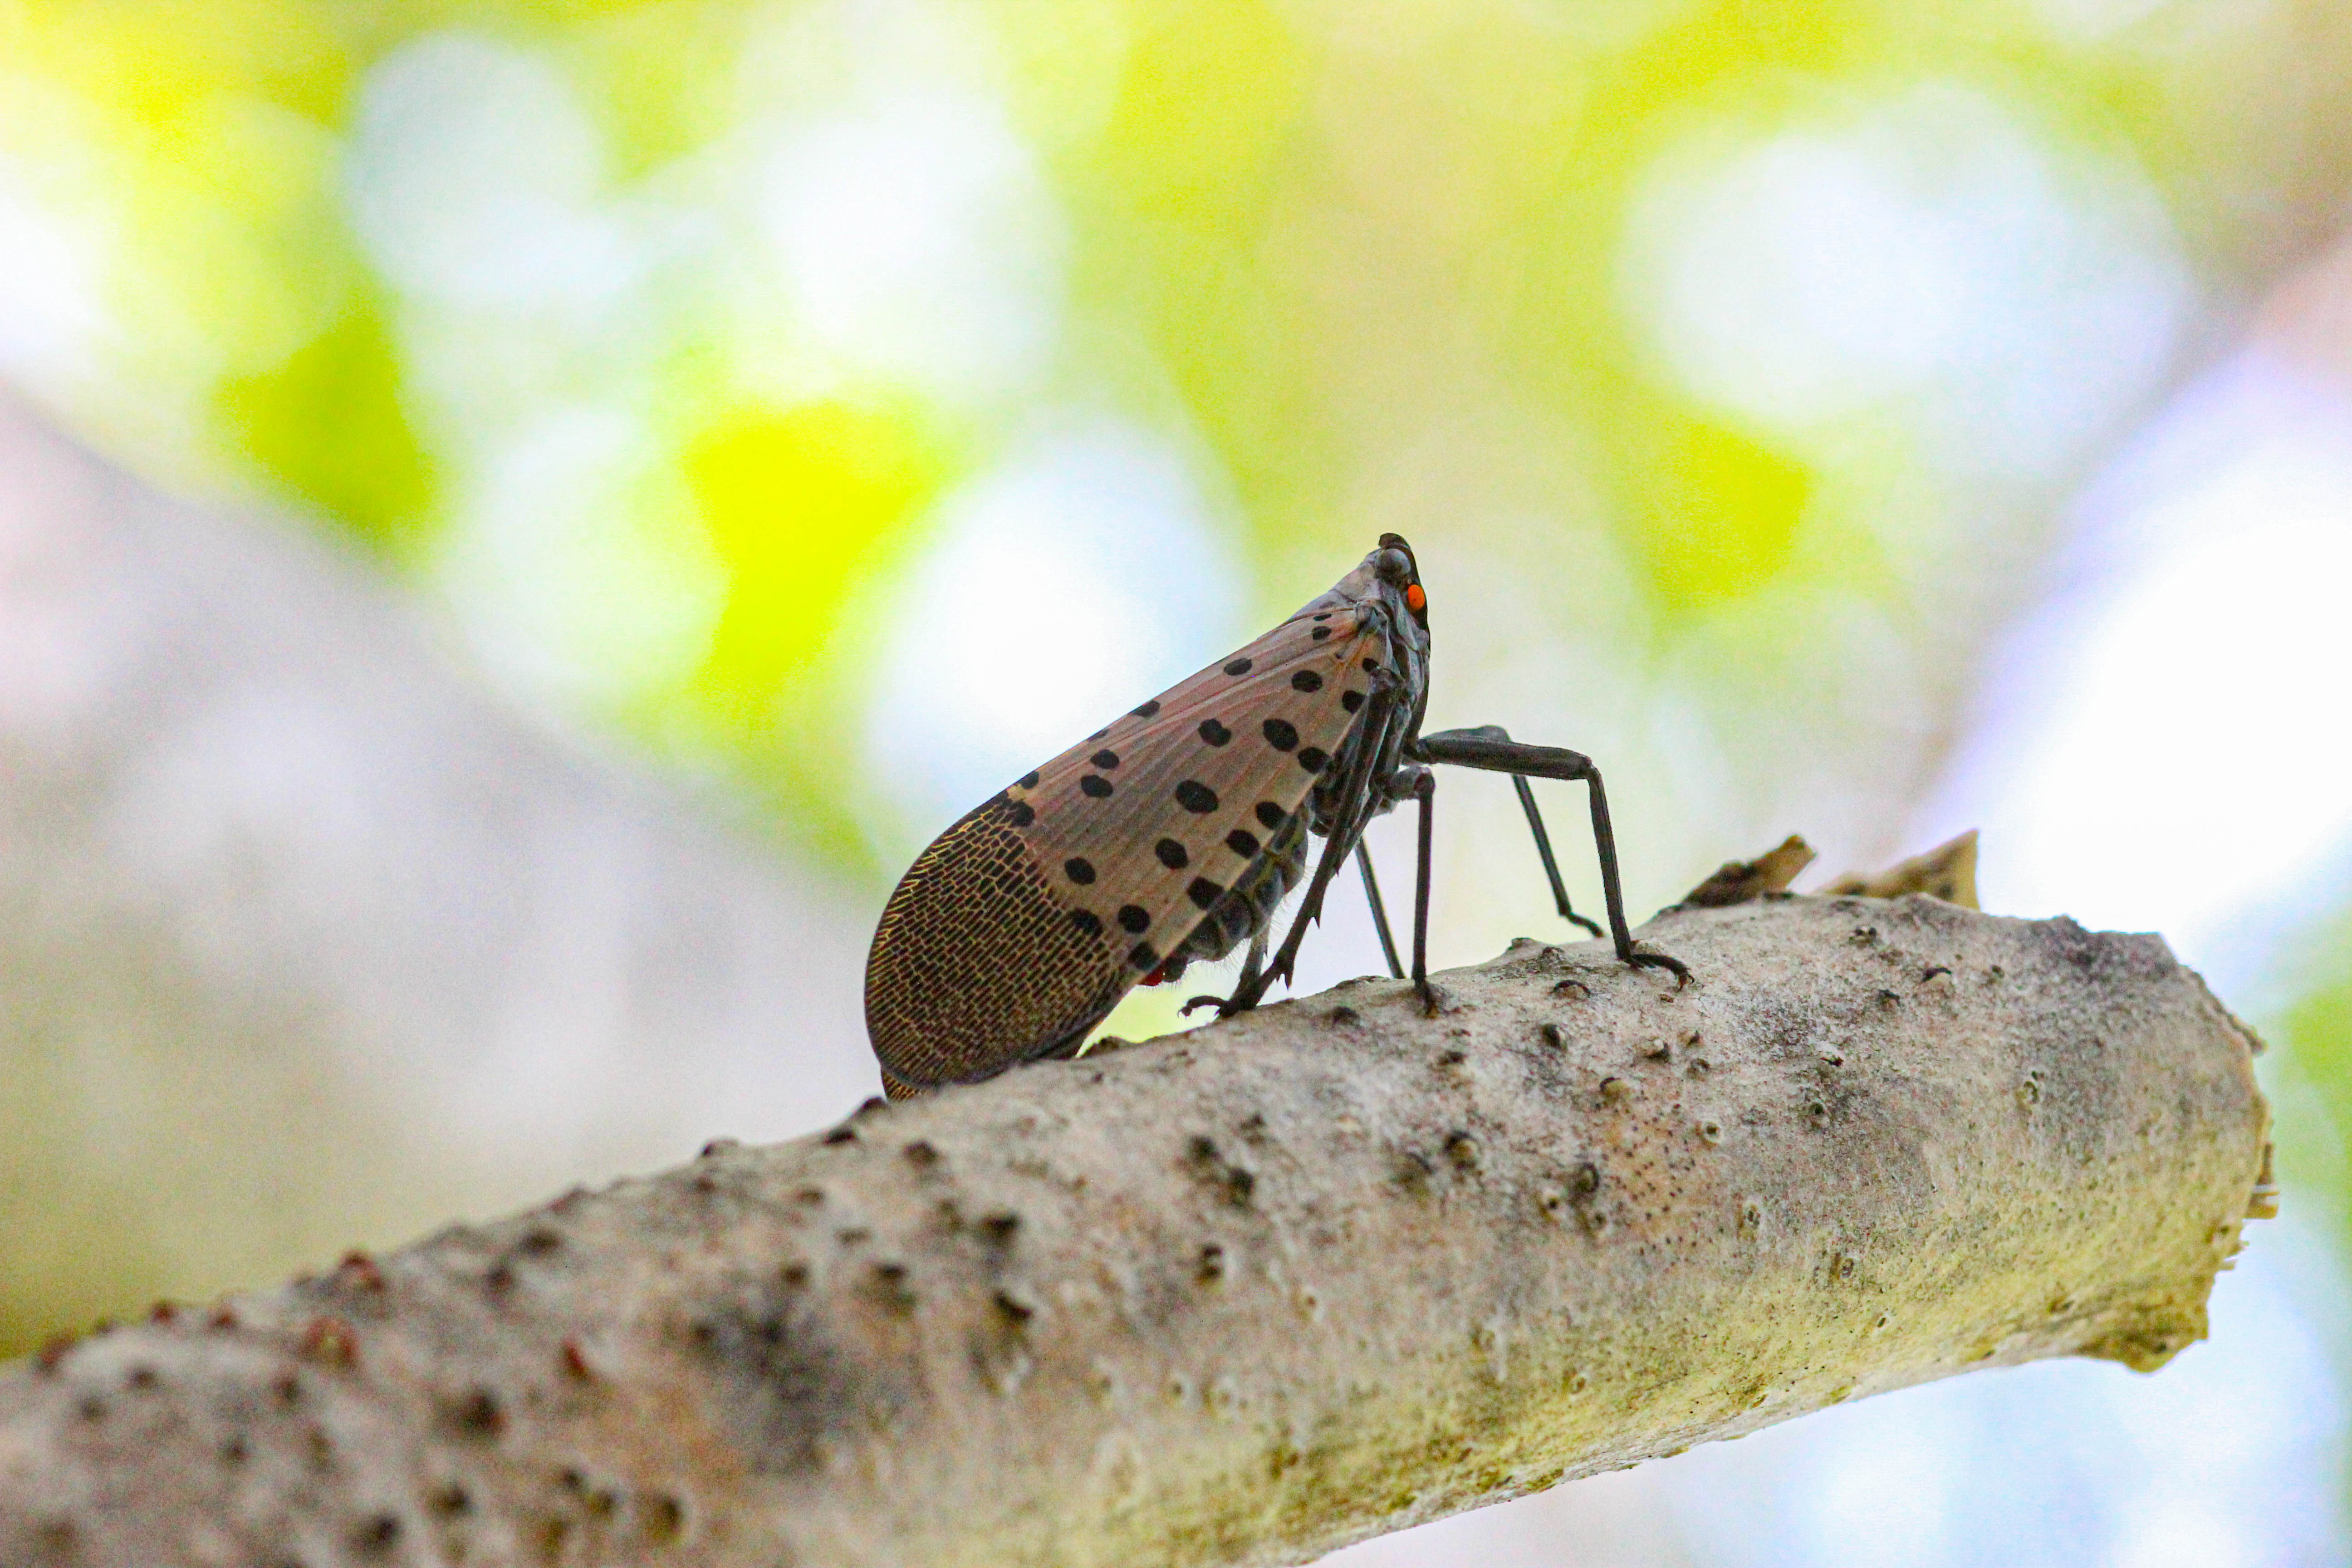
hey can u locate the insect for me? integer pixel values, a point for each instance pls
(1170, 836)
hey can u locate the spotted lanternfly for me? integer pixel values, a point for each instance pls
(1172, 834)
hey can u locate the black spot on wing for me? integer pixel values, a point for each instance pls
(1095, 786)
(1237, 665)
(1352, 700)
(1306, 680)
(1216, 734)
(1204, 892)
(1171, 854)
(1195, 797)
(1088, 921)
(1241, 842)
(1021, 814)
(1078, 869)
(1029, 779)
(1319, 633)
(1312, 758)
(1104, 759)
(1146, 709)
(1270, 815)
(1134, 918)
(1143, 958)
(1281, 734)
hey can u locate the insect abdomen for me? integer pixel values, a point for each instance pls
(1244, 908)
(978, 965)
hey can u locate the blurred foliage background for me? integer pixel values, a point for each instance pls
(1836, 415)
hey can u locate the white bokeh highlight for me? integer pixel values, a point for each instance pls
(917, 237)
(1080, 576)
(1927, 251)
(2229, 1458)
(476, 180)
(577, 565)
(51, 318)
(2165, 748)
(2196, 713)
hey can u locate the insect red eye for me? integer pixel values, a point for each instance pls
(1415, 600)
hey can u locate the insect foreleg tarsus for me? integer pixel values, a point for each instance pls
(1491, 749)
(1252, 967)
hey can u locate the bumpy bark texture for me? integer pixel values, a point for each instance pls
(1240, 1296)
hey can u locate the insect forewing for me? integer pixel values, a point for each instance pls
(1146, 828)
(1024, 924)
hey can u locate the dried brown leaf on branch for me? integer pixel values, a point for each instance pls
(1949, 872)
(1737, 881)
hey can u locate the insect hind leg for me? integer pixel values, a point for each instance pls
(1491, 748)
(1535, 828)
(1551, 863)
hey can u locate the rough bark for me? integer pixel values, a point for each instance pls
(1238, 1296)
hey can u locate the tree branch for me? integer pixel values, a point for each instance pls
(1237, 1296)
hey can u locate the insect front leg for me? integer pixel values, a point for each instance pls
(1412, 782)
(1379, 910)
(1354, 809)
(1256, 978)
(1419, 783)
(1493, 751)
(1536, 827)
